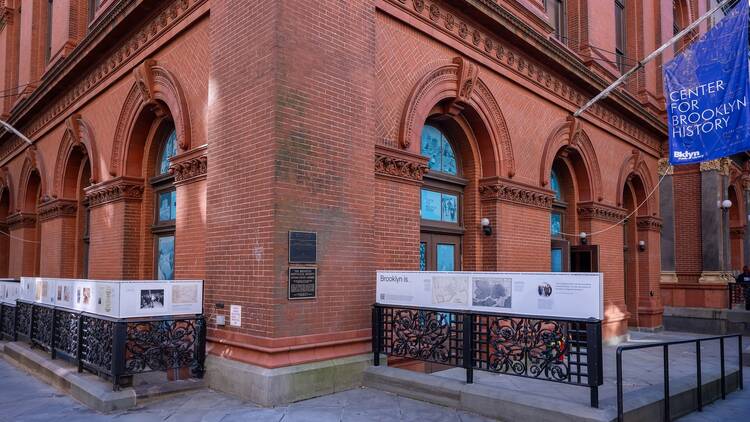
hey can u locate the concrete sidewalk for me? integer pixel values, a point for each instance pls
(735, 408)
(23, 398)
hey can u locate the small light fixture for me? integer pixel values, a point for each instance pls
(725, 204)
(584, 238)
(641, 245)
(486, 228)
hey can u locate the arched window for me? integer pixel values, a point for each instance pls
(165, 207)
(441, 198)
(560, 247)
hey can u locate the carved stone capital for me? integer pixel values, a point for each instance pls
(722, 165)
(500, 189)
(648, 223)
(596, 211)
(399, 165)
(117, 189)
(57, 208)
(190, 166)
(21, 220)
(664, 168)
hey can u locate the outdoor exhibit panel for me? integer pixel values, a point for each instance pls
(116, 299)
(545, 295)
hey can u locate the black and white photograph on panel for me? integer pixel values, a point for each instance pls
(152, 299)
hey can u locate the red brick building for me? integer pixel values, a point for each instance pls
(187, 138)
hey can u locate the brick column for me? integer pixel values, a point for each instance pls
(666, 210)
(594, 217)
(520, 216)
(714, 233)
(650, 307)
(23, 244)
(59, 231)
(189, 170)
(115, 228)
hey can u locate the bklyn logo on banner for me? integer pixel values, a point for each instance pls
(706, 88)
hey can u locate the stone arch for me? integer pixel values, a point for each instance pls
(32, 163)
(458, 86)
(157, 90)
(6, 188)
(78, 134)
(634, 169)
(570, 136)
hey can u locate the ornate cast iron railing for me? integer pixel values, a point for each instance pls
(560, 350)
(112, 348)
(7, 322)
(737, 293)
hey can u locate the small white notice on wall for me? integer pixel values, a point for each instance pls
(235, 315)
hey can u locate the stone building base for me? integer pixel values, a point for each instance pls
(276, 386)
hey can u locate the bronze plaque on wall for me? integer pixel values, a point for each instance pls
(303, 247)
(302, 283)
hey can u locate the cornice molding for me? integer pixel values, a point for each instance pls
(398, 165)
(21, 220)
(57, 208)
(501, 189)
(648, 223)
(722, 165)
(151, 30)
(597, 211)
(113, 190)
(189, 167)
(664, 168)
(511, 58)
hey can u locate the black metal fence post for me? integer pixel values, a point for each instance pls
(119, 338)
(618, 365)
(53, 330)
(31, 326)
(15, 322)
(667, 414)
(594, 360)
(468, 347)
(200, 347)
(698, 371)
(79, 345)
(375, 336)
(740, 350)
(723, 378)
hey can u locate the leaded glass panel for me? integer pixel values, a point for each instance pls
(170, 150)
(167, 206)
(438, 150)
(555, 226)
(165, 258)
(446, 257)
(450, 208)
(431, 205)
(422, 256)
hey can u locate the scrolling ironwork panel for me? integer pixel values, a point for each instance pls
(66, 332)
(23, 319)
(425, 335)
(8, 327)
(97, 338)
(535, 348)
(41, 326)
(159, 345)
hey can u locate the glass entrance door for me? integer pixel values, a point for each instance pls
(439, 252)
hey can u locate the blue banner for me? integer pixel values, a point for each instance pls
(706, 88)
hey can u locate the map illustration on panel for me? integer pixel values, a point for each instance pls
(492, 292)
(450, 290)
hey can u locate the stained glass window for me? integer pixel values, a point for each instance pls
(170, 150)
(554, 183)
(438, 206)
(557, 263)
(165, 258)
(167, 206)
(422, 256)
(446, 257)
(555, 226)
(438, 150)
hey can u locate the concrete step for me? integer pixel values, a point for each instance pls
(90, 389)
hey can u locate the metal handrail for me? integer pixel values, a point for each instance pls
(665, 355)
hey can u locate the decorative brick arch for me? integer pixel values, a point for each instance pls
(6, 185)
(78, 134)
(32, 162)
(570, 135)
(458, 85)
(635, 168)
(157, 89)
